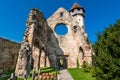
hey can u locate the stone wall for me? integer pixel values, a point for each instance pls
(71, 42)
(8, 54)
(33, 43)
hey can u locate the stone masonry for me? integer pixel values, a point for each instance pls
(42, 46)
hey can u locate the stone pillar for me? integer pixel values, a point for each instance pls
(22, 66)
(24, 58)
(36, 58)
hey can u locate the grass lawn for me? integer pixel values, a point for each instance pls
(80, 74)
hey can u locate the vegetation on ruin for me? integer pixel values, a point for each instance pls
(107, 53)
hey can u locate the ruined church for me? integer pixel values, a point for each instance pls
(43, 46)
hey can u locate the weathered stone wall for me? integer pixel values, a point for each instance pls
(8, 60)
(8, 54)
(75, 39)
(34, 41)
(66, 42)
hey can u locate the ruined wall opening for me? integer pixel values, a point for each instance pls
(62, 61)
(75, 29)
(61, 29)
(81, 50)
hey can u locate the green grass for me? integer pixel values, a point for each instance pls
(80, 74)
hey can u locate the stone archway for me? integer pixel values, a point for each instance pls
(62, 61)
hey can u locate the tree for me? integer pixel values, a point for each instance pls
(107, 53)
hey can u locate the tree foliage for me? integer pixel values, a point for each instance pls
(107, 53)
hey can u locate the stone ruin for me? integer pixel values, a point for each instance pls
(42, 46)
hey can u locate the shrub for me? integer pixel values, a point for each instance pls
(88, 68)
(85, 64)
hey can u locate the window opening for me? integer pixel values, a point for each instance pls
(61, 29)
(75, 29)
(61, 14)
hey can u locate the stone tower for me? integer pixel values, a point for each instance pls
(78, 13)
(42, 46)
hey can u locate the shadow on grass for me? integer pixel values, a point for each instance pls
(49, 70)
(44, 68)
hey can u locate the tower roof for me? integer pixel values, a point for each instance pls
(76, 6)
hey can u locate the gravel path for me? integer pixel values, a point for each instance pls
(64, 75)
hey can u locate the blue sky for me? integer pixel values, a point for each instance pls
(14, 13)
